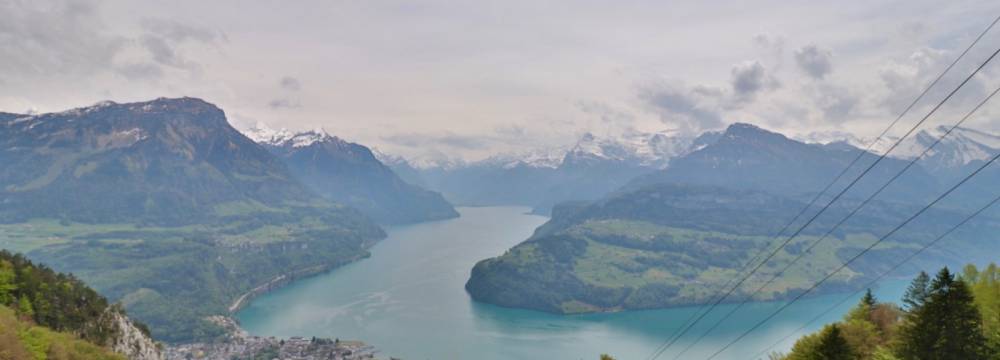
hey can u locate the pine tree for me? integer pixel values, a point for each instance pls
(946, 325)
(833, 346)
(869, 299)
(917, 293)
(863, 311)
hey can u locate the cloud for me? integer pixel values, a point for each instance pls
(606, 113)
(141, 70)
(772, 47)
(814, 61)
(690, 109)
(283, 104)
(54, 39)
(904, 79)
(290, 83)
(447, 138)
(838, 103)
(511, 130)
(177, 32)
(69, 38)
(162, 39)
(749, 78)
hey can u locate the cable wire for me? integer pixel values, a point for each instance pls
(879, 277)
(835, 198)
(855, 257)
(842, 221)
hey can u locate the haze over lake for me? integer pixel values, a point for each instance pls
(408, 300)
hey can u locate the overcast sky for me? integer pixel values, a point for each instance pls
(465, 79)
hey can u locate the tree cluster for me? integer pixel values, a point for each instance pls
(947, 317)
(54, 300)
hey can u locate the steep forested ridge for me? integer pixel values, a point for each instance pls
(164, 206)
(43, 313)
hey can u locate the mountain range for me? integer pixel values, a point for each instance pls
(163, 206)
(541, 178)
(169, 162)
(960, 148)
(672, 236)
(350, 173)
(596, 166)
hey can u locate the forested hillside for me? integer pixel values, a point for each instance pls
(165, 207)
(668, 245)
(45, 314)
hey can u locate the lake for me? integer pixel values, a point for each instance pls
(408, 300)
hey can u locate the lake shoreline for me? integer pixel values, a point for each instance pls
(416, 277)
(285, 279)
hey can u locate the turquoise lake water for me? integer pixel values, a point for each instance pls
(409, 302)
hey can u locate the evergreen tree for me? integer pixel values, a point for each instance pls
(917, 293)
(869, 299)
(828, 344)
(946, 325)
(833, 346)
(7, 283)
(863, 311)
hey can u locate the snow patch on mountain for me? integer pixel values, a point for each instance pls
(262, 134)
(643, 149)
(961, 147)
(537, 158)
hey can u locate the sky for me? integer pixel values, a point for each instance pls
(439, 79)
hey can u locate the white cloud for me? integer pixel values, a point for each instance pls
(515, 73)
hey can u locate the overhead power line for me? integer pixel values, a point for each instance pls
(855, 257)
(720, 299)
(861, 205)
(880, 276)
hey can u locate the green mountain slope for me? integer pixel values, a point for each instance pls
(350, 174)
(163, 206)
(668, 245)
(20, 340)
(44, 314)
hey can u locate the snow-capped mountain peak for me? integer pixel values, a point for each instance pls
(959, 148)
(262, 134)
(643, 149)
(537, 158)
